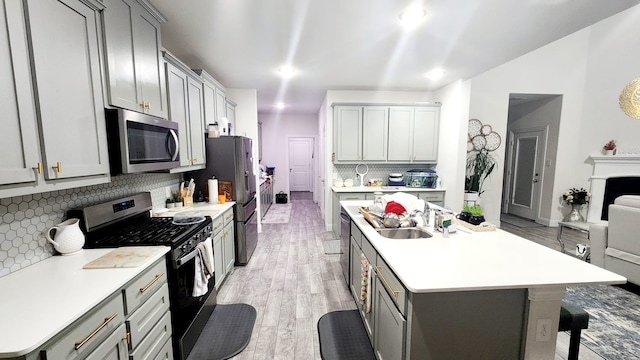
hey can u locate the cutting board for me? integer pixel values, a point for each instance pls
(125, 257)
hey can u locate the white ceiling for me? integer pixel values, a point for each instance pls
(358, 44)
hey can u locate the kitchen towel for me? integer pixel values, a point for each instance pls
(365, 281)
(200, 277)
(367, 303)
(207, 248)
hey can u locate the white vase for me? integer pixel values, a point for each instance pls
(608, 152)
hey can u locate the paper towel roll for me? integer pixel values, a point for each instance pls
(213, 190)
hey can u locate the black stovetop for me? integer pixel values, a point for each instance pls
(143, 231)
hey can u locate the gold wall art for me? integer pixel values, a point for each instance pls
(630, 99)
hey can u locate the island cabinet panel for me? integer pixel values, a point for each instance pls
(467, 325)
(390, 327)
(136, 79)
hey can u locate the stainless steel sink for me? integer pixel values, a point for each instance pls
(404, 233)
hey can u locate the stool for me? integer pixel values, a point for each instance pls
(343, 336)
(574, 319)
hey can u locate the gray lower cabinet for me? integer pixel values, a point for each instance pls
(113, 348)
(390, 327)
(134, 323)
(51, 57)
(266, 196)
(223, 246)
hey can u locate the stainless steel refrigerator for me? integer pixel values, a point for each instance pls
(229, 158)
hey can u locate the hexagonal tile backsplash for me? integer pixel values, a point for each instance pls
(24, 220)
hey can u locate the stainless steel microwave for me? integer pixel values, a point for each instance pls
(140, 142)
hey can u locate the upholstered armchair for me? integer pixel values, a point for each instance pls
(616, 246)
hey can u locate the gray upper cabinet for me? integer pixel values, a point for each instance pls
(65, 37)
(386, 134)
(215, 106)
(231, 114)
(413, 134)
(348, 133)
(375, 125)
(186, 108)
(135, 70)
(19, 119)
(52, 93)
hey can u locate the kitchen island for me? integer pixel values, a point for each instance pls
(480, 295)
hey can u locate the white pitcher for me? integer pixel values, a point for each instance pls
(69, 239)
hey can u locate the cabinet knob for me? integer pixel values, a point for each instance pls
(143, 104)
(38, 168)
(148, 105)
(58, 167)
(194, 160)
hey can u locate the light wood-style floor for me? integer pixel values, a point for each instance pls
(292, 283)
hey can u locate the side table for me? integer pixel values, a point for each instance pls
(575, 225)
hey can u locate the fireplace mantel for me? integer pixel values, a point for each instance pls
(604, 167)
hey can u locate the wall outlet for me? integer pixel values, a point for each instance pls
(543, 330)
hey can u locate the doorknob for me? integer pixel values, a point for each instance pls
(290, 169)
(535, 180)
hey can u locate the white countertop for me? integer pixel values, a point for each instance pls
(385, 189)
(477, 261)
(213, 210)
(39, 301)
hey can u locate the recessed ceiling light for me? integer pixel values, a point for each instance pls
(287, 71)
(435, 74)
(411, 17)
(280, 105)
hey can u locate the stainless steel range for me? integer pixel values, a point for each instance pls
(127, 222)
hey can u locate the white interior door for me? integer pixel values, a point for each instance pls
(527, 154)
(300, 161)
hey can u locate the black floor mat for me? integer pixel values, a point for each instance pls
(226, 334)
(342, 336)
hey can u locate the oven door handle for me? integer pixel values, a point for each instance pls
(186, 258)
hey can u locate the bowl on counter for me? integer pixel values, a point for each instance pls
(348, 182)
(338, 183)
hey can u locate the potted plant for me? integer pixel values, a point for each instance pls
(609, 147)
(476, 217)
(169, 203)
(576, 198)
(480, 164)
(466, 212)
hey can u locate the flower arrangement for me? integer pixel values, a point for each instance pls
(576, 197)
(611, 145)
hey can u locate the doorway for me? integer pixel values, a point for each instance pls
(301, 163)
(526, 157)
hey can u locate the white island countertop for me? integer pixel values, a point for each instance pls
(384, 189)
(39, 301)
(469, 260)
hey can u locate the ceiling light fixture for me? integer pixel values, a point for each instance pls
(435, 74)
(411, 17)
(280, 105)
(286, 71)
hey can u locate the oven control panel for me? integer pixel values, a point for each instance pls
(124, 205)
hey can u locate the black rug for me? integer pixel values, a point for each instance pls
(342, 336)
(226, 334)
(614, 320)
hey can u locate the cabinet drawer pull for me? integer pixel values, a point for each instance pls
(158, 276)
(104, 323)
(216, 227)
(127, 338)
(58, 167)
(386, 283)
(39, 168)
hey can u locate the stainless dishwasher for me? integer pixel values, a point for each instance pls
(345, 246)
